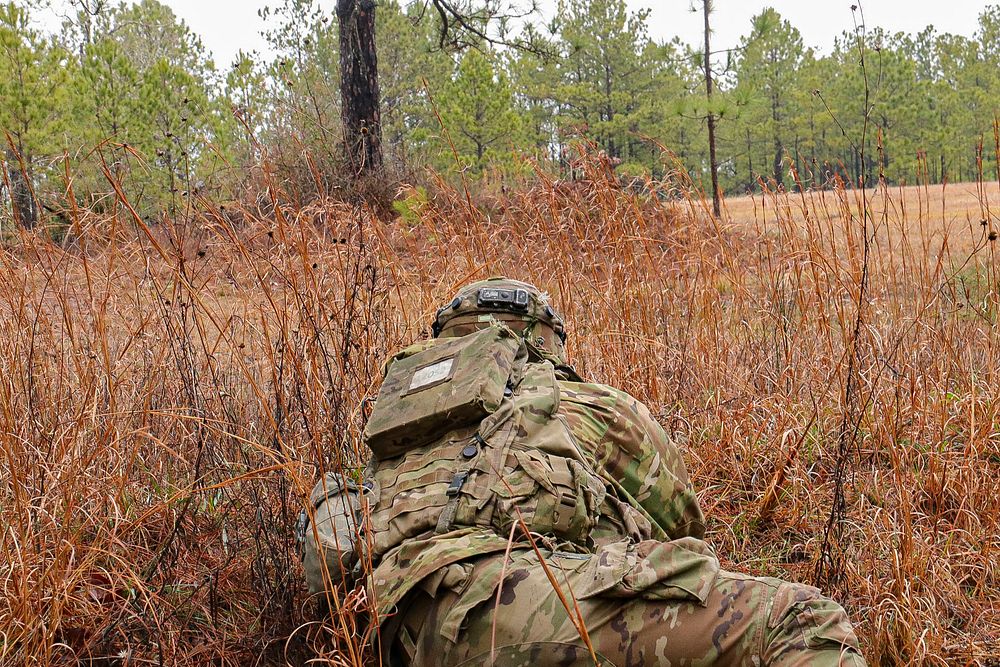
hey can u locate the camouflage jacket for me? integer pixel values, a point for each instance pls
(623, 443)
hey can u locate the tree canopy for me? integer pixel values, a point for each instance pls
(131, 85)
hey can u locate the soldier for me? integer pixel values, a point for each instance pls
(517, 515)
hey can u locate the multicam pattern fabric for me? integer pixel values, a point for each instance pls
(614, 554)
(520, 465)
(536, 321)
(608, 430)
(430, 389)
(655, 603)
(631, 451)
(661, 599)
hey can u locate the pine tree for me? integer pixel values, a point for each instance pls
(360, 98)
(771, 58)
(408, 56)
(34, 72)
(477, 111)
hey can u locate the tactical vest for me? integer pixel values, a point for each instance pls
(464, 433)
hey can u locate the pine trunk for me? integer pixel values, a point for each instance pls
(22, 199)
(779, 149)
(359, 90)
(777, 165)
(713, 162)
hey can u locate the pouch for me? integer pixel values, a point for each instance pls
(331, 548)
(429, 391)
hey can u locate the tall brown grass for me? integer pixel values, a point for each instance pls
(169, 392)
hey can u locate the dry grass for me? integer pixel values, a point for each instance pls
(169, 394)
(917, 212)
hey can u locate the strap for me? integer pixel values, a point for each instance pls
(561, 473)
(332, 484)
(487, 428)
(479, 441)
(407, 643)
(447, 516)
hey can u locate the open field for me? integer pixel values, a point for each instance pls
(168, 394)
(902, 215)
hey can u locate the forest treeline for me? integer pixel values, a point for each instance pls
(128, 93)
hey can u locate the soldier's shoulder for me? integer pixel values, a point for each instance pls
(602, 396)
(591, 391)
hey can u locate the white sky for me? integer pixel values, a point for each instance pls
(226, 26)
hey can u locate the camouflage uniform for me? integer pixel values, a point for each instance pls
(659, 601)
(647, 590)
(654, 603)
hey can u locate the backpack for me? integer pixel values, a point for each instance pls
(464, 434)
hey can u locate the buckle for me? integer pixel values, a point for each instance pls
(456, 483)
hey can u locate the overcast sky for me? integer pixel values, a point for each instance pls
(226, 26)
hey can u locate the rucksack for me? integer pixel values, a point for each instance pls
(464, 433)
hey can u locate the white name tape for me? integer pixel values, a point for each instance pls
(433, 374)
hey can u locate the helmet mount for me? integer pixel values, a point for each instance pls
(518, 305)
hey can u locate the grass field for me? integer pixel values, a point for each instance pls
(168, 395)
(902, 215)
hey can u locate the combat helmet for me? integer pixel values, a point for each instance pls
(519, 305)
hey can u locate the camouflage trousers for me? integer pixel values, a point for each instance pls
(647, 604)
